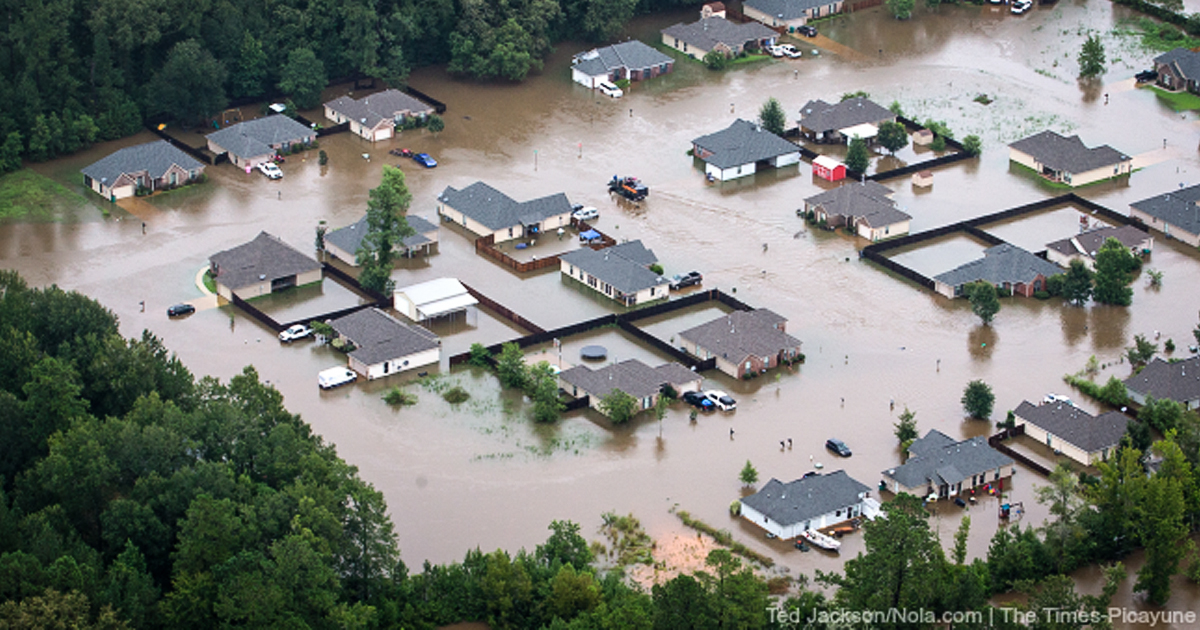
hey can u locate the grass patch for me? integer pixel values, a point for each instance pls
(1178, 101)
(629, 542)
(748, 58)
(1159, 36)
(455, 395)
(399, 398)
(723, 537)
(210, 282)
(28, 196)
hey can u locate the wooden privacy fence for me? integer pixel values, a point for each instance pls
(997, 442)
(486, 246)
(378, 300)
(197, 152)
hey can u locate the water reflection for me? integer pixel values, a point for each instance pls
(981, 342)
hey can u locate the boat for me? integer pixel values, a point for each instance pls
(817, 539)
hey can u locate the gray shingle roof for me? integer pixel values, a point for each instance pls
(256, 137)
(1178, 208)
(621, 266)
(1000, 264)
(789, 9)
(630, 376)
(379, 337)
(933, 442)
(632, 54)
(265, 258)
(822, 117)
(1185, 61)
(1068, 154)
(708, 32)
(1076, 426)
(949, 463)
(497, 211)
(807, 498)
(349, 238)
(741, 334)
(743, 142)
(374, 108)
(867, 201)
(1091, 240)
(1179, 381)
(154, 157)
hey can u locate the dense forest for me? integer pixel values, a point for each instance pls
(73, 73)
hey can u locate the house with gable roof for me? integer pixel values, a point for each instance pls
(717, 33)
(375, 116)
(344, 242)
(1173, 380)
(1083, 246)
(939, 465)
(261, 266)
(630, 60)
(644, 383)
(787, 510)
(1176, 214)
(485, 211)
(256, 141)
(743, 342)
(1065, 159)
(384, 345)
(154, 165)
(1005, 266)
(867, 206)
(789, 14)
(1179, 69)
(740, 149)
(853, 117)
(1072, 431)
(621, 272)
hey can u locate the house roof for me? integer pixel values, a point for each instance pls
(1185, 62)
(1088, 243)
(630, 376)
(624, 266)
(379, 337)
(787, 9)
(942, 461)
(1000, 264)
(708, 32)
(350, 237)
(156, 158)
(632, 54)
(806, 498)
(265, 258)
(1076, 426)
(1068, 154)
(741, 334)
(372, 109)
(743, 142)
(832, 163)
(496, 210)
(867, 201)
(1178, 381)
(820, 116)
(1180, 208)
(253, 138)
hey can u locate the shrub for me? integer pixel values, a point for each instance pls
(735, 508)
(1169, 346)
(657, 268)
(972, 145)
(322, 158)
(1042, 295)
(455, 395)
(480, 356)
(399, 398)
(938, 144)
(716, 60)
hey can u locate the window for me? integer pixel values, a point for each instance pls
(510, 232)
(651, 291)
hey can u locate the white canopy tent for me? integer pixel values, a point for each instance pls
(866, 131)
(436, 298)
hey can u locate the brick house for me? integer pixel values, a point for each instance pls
(743, 342)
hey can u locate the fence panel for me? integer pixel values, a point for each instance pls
(267, 320)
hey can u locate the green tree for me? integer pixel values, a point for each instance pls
(480, 357)
(190, 85)
(1139, 436)
(386, 230)
(542, 387)
(1064, 534)
(771, 116)
(249, 76)
(618, 406)
(896, 108)
(984, 302)
(683, 602)
(40, 140)
(1163, 414)
(565, 546)
(716, 60)
(739, 597)
(303, 77)
(53, 610)
(1142, 352)
(977, 400)
(906, 428)
(572, 592)
(435, 123)
(1164, 536)
(510, 366)
(1114, 267)
(10, 152)
(128, 587)
(938, 145)
(749, 474)
(1077, 283)
(972, 145)
(604, 19)
(1091, 57)
(900, 9)
(857, 158)
(893, 136)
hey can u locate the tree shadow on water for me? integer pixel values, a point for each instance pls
(980, 342)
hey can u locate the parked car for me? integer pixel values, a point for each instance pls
(299, 331)
(180, 310)
(1058, 398)
(722, 400)
(1021, 6)
(424, 159)
(838, 446)
(608, 89)
(686, 280)
(586, 213)
(1146, 76)
(698, 400)
(336, 376)
(790, 51)
(774, 51)
(270, 170)
(807, 31)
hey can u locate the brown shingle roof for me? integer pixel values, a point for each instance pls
(1076, 426)
(1178, 381)
(741, 334)
(630, 376)
(263, 259)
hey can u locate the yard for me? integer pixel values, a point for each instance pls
(1181, 101)
(29, 196)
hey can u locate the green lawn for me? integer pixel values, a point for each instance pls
(28, 196)
(1178, 101)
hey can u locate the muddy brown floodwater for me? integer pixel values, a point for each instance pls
(483, 475)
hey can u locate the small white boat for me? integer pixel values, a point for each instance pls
(818, 539)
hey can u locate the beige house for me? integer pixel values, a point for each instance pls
(621, 272)
(642, 382)
(256, 141)
(1075, 433)
(485, 211)
(1175, 214)
(383, 345)
(153, 166)
(1173, 380)
(1066, 160)
(262, 266)
(867, 206)
(716, 33)
(743, 342)
(789, 14)
(1083, 247)
(375, 117)
(344, 242)
(938, 465)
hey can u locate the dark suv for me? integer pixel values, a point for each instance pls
(838, 446)
(696, 399)
(180, 309)
(807, 31)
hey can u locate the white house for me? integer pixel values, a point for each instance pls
(630, 60)
(436, 298)
(153, 166)
(256, 141)
(375, 117)
(1067, 161)
(1072, 431)
(344, 242)
(738, 150)
(620, 272)
(1083, 247)
(789, 509)
(1175, 214)
(789, 13)
(383, 345)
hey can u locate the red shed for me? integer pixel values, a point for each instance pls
(828, 168)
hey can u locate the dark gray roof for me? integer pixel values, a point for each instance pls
(1076, 426)
(1185, 62)
(948, 463)
(255, 137)
(632, 54)
(933, 442)
(1002, 263)
(743, 142)
(742, 333)
(349, 238)
(788, 9)
(622, 266)
(265, 258)
(1091, 240)
(497, 211)
(806, 498)
(867, 201)
(379, 337)
(1178, 208)
(156, 158)
(820, 116)
(1068, 154)
(1178, 381)
(708, 32)
(630, 376)
(372, 109)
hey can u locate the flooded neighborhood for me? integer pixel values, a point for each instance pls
(853, 342)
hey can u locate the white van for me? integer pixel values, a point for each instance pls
(608, 89)
(333, 377)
